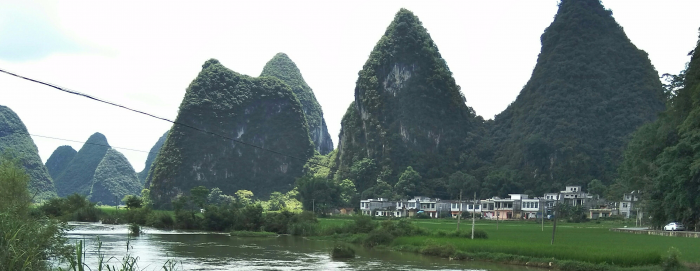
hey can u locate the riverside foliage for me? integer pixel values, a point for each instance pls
(662, 158)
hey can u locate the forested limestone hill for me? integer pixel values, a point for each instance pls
(260, 111)
(591, 88)
(662, 161)
(59, 160)
(77, 176)
(152, 157)
(16, 142)
(408, 111)
(283, 68)
(114, 178)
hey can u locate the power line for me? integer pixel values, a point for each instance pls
(76, 141)
(156, 117)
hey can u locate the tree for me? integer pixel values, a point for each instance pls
(199, 196)
(408, 184)
(277, 201)
(364, 173)
(596, 187)
(462, 182)
(244, 197)
(14, 195)
(459, 183)
(132, 202)
(317, 194)
(146, 197)
(347, 192)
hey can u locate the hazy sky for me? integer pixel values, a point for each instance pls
(144, 54)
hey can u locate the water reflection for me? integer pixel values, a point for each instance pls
(208, 251)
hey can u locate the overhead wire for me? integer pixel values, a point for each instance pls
(76, 141)
(157, 117)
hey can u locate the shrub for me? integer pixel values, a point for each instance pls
(342, 252)
(278, 222)
(362, 224)
(444, 251)
(671, 262)
(305, 228)
(378, 237)
(161, 220)
(134, 229)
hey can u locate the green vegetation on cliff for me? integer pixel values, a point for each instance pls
(77, 177)
(408, 111)
(283, 68)
(59, 160)
(15, 141)
(591, 88)
(662, 160)
(260, 111)
(152, 157)
(114, 178)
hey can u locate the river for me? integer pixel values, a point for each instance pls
(215, 251)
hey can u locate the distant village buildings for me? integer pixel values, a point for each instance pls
(516, 206)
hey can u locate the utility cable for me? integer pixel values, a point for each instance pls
(76, 141)
(154, 116)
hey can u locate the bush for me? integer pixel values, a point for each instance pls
(444, 251)
(278, 222)
(134, 229)
(161, 220)
(305, 228)
(362, 224)
(72, 208)
(378, 237)
(186, 221)
(137, 216)
(671, 262)
(342, 252)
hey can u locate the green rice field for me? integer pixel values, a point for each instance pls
(587, 242)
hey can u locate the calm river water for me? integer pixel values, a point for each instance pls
(211, 251)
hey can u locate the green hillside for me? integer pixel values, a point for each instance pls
(590, 89)
(152, 157)
(77, 177)
(283, 68)
(114, 178)
(408, 111)
(662, 161)
(260, 111)
(16, 142)
(59, 160)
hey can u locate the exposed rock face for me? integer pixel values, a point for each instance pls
(590, 89)
(408, 110)
(16, 142)
(262, 111)
(77, 177)
(114, 178)
(59, 160)
(152, 157)
(283, 68)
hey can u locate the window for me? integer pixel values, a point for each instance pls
(624, 205)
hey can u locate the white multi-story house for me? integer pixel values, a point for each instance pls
(466, 206)
(627, 205)
(369, 205)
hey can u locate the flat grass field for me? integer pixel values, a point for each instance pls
(589, 242)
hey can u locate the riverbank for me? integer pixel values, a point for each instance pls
(577, 246)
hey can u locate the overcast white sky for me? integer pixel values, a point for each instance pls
(144, 54)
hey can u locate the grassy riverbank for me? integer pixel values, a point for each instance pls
(521, 242)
